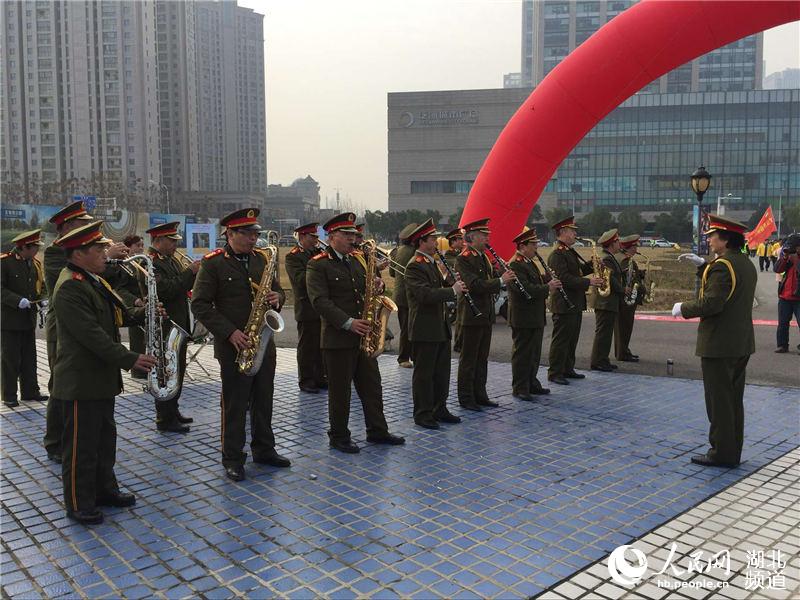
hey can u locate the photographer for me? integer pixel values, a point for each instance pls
(788, 290)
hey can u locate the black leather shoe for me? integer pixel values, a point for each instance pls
(782, 350)
(272, 458)
(182, 419)
(604, 368)
(629, 359)
(428, 424)
(470, 406)
(540, 392)
(488, 402)
(558, 379)
(120, 499)
(309, 390)
(574, 375)
(523, 397)
(11, 403)
(86, 517)
(38, 398)
(235, 473)
(614, 367)
(346, 446)
(448, 417)
(174, 427)
(391, 440)
(704, 461)
(55, 457)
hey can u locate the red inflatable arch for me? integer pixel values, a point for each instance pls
(636, 47)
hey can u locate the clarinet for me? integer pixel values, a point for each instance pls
(475, 310)
(503, 264)
(552, 275)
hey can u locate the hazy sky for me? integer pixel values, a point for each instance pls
(330, 64)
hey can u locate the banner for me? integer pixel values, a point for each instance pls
(200, 239)
(765, 228)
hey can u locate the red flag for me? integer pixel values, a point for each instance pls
(765, 228)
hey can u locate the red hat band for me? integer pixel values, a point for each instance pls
(84, 240)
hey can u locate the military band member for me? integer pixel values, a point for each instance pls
(403, 254)
(336, 285)
(476, 332)
(174, 281)
(222, 300)
(455, 241)
(133, 289)
(310, 370)
(606, 308)
(527, 317)
(725, 337)
(21, 289)
(429, 329)
(623, 329)
(87, 375)
(570, 269)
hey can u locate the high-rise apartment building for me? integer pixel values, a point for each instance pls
(551, 29)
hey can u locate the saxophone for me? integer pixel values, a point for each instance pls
(649, 288)
(377, 308)
(263, 322)
(163, 380)
(630, 299)
(599, 270)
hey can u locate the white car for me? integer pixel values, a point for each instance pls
(663, 244)
(543, 244)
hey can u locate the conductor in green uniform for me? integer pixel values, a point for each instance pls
(623, 329)
(429, 329)
(222, 300)
(725, 337)
(476, 331)
(310, 371)
(527, 317)
(174, 281)
(21, 288)
(402, 254)
(606, 308)
(336, 283)
(86, 375)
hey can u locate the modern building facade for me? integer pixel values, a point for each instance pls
(788, 79)
(551, 29)
(300, 200)
(640, 156)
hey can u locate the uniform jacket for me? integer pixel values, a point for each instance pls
(450, 257)
(566, 264)
(477, 274)
(612, 301)
(222, 297)
(524, 313)
(725, 307)
(19, 279)
(296, 265)
(173, 284)
(427, 294)
(336, 292)
(90, 355)
(404, 254)
(55, 259)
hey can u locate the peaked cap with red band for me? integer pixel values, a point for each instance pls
(83, 236)
(608, 237)
(308, 229)
(526, 236)
(345, 222)
(481, 225)
(28, 237)
(70, 212)
(455, 233)
(568, 222)
(244, 218)
(424, 230)
(718, 223)
(629, 241)
(169, 230)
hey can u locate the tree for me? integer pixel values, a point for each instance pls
(597, 221)
(756, 216)
(790, 219)
(675, 225)
(630, 221)
(556, 214)
(536, 213)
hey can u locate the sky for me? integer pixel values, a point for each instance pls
(330, 65)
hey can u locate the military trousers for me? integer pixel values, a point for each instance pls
(404, 345)
(623, 329)
(167, 411)
(19, 364)
(430, 383)
(54, 419)
(526, 352)
(241, 394)
(564, 342)
(457, 328)
(723, 381)
(603, 334)
(90, 451)
(136, 343)
(346, 366)
(310, 370)
(473, 363)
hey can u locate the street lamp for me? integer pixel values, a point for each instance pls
(701, 180)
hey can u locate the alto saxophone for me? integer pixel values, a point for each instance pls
(649, 287)
(377, 308)
(263, 322)
(599, 270)
(630, 298)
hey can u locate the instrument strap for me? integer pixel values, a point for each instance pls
(728, 264)
(105, 289)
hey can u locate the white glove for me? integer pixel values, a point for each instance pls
(697, 261)
(24, 303)
(43, 303)
(676, 309)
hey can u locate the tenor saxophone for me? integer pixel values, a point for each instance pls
(599, 270)
(377, 308)
(263, 322)
(630, 298)
(649, 287)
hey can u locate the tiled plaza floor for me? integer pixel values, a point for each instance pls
(506, 504)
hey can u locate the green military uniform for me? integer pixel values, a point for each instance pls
(450, 257)
(476, 332)
(570, 270)
(725, 341)
(131, 285)
(627, 312)
(429, 332)
(606, 309)
(222, 300)
(404, 254)
(336, 286)
(20, 279)
(527, 320)
(310, 369)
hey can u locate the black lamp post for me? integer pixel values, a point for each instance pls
(701, 180)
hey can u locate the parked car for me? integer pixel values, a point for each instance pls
(662, 243)
(543, 244)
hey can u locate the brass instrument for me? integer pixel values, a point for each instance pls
(263, 322)
(377, 308)
(183, 258)
(599, 270)
(630, 297)
(649, 288)
(385, 256)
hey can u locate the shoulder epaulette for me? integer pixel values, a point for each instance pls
(421, 259)
(295, 250)
(78, 276)
(5, 255)
(320, 256)
(357, 253)
(213, 253)
(467, 252)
